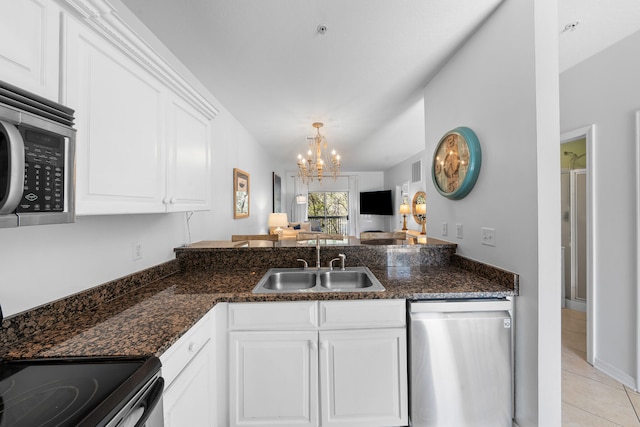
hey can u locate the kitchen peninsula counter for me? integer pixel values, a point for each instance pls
(145, 313)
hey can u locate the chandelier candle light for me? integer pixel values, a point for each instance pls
(318, 161)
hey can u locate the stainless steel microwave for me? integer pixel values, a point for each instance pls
(37, 160)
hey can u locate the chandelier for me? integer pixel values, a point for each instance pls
(318, 162)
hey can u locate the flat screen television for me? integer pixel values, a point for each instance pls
(376, 202)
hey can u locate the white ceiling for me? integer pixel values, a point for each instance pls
(602, 23)
(268, 65)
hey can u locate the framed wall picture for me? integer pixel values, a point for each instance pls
(277, 193)
(240, 193)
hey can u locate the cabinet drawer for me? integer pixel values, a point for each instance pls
(178, 356)
(273, 315)
(362, 314)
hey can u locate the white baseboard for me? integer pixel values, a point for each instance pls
(575, 304)
(615, 373)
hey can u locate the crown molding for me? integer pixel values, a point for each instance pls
(103, 17)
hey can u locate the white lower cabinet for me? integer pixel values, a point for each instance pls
(274, 378)
(187, 402)
(363, 377)
(347, 368)
(188, 368)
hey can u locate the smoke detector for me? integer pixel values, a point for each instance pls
(571, 26)
(322, 29)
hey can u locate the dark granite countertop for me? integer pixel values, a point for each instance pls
(144, 314)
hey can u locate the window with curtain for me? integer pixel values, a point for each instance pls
(329, 210)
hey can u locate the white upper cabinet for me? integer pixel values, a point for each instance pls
(143, 140)
(188, 178)
(121, 155)
(144, 134)
(30, 45)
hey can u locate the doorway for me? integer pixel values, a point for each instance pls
(576, 157)
(574, 225)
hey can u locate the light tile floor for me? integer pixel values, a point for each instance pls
(589, 397)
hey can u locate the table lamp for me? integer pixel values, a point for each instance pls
(405, 210)
(278, 220)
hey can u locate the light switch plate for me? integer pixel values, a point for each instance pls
(459, 231)
(445, 229)
(136, 251)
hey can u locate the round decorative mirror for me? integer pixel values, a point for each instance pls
(419, 209)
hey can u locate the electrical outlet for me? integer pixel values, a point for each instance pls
(445, 229)
(136, 252)
(488, 236)
(459, 231)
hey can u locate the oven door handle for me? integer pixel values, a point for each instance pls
(151, 400)
(15, 158)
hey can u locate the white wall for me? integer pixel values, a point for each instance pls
(604, 91)
(399, 175)
(234, 147)
(501, 85)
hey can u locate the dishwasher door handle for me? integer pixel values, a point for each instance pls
(449, 306)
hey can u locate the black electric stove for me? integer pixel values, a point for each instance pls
(79, 391)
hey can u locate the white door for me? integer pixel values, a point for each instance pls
(363, 378)
(273, 378)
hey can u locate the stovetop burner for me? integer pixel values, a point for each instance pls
(64, 392)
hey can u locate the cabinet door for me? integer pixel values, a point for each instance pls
(120, 145)
(187, 400)
(273, 378)
(188, 179)
(363, 378)
(30, 45)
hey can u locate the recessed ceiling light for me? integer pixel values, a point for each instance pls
(571, 26)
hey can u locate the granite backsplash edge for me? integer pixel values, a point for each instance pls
(506, 278)
(22, 325)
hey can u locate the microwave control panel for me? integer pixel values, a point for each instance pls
(44, 154)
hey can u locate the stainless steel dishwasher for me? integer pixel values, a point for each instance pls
(460, 363)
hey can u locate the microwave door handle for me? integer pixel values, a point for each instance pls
(15, 154)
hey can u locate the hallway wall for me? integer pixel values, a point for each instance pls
(602, 92)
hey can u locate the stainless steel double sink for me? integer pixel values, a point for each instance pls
(297, 280)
